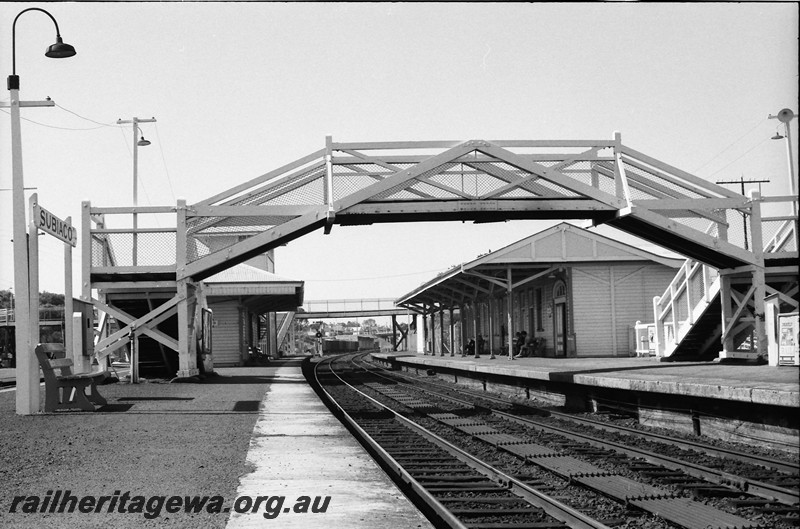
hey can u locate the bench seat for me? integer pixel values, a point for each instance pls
(63, 388)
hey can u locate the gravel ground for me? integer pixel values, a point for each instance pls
(153, 439)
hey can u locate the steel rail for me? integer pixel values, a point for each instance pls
(681, 511)
(741, 483)
(782, 466)
(554, 508)
(750, 486)
(379, 453)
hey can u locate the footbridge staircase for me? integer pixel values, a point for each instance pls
(345, 183)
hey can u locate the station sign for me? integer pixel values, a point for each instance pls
(53, 225)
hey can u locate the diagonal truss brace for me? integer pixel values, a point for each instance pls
(144, 324)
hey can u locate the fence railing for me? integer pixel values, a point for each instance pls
(132, 248)
(46, 314)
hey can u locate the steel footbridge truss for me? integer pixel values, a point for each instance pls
(482, 181)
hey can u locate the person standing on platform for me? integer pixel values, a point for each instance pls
(481, 344)
(319, 343)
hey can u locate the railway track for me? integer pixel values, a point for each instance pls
(452, 487)
(753, 485)
(590, 486)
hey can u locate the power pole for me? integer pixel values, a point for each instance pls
(742, 182)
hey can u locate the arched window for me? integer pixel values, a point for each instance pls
(559, 291)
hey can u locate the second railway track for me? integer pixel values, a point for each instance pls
(583, 493)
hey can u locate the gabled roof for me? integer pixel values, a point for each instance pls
(564, 243)
(535, 255)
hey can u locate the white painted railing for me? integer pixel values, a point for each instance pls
(689, 294)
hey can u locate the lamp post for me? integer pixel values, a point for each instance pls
(27, 400)
(141, 142)
(785, 116)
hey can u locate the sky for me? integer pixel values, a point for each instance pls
(239, 89)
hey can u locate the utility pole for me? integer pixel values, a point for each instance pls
(742, 182)
(136, 144)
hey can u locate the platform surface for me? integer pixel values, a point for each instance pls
(744, 383)
(259, 431)
(298, 448)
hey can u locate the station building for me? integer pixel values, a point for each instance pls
(249, 306)
(580, 291)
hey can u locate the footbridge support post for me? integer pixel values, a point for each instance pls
(187, 345)
(187, 304)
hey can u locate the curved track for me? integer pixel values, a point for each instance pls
(649, 482)
(453, 487)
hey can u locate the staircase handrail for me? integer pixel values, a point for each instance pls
(781, 236)
(666, 304)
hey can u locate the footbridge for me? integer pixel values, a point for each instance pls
(603, 181)
(350, 308)
(360, 309)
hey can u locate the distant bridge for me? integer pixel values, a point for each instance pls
(48, 316)
(350, 308)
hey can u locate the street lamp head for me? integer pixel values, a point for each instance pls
(59, 50)
(143, 142)
(777, 136)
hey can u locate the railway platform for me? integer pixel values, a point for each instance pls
(259, 438)
(743, 383)
(734, 402)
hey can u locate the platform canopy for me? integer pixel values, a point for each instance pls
(533, 257)
(259, 290)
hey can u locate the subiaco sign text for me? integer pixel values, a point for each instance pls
(53, 225)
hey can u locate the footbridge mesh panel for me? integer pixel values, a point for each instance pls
(117, 249)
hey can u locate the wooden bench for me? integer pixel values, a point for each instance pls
(63, 389)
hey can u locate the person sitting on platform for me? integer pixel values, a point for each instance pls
(469, 349)
(527, 348)
(481, 344)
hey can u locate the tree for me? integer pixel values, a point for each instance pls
(49, 299)
(5, 299)
(46, 299)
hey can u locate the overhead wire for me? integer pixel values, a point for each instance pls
(164, 161)
(85, 118)
(740, 156)
(55, 126)
(760, 123)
